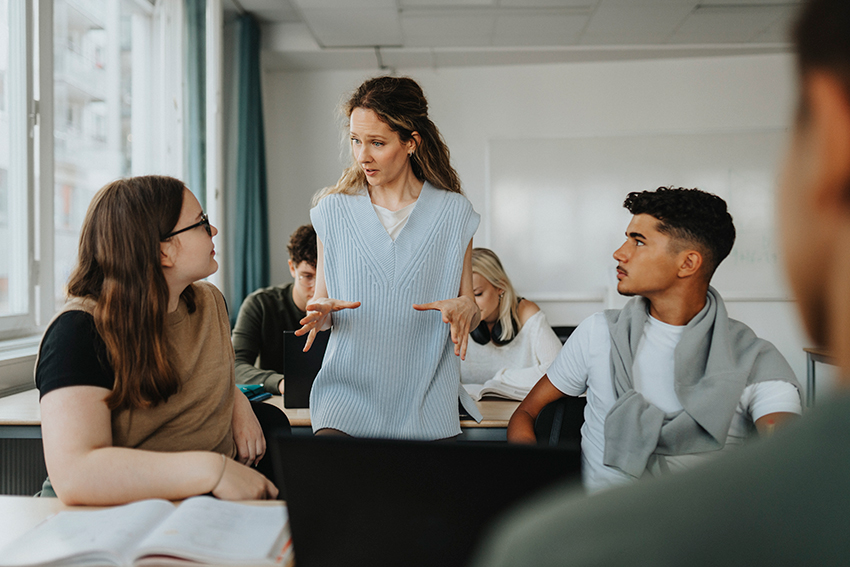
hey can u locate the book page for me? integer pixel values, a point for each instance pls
(495, 388)
(108, 535)
(207, 529)
(498, 388)
(474, 390)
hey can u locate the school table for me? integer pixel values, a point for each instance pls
(18, 514)
(493, 426)
(813, 356)
(20, 417)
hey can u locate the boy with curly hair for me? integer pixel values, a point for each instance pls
(670, 379)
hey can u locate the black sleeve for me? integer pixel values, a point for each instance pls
(72, 354)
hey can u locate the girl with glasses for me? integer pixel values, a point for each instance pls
(136, 371)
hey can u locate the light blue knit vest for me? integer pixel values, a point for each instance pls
(390, 371)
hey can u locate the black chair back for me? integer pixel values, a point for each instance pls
(563, 332)
(559, 423)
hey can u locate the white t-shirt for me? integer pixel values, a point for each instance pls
(394, 221)
(584, 364)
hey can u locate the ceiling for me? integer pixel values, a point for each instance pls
(388, 34)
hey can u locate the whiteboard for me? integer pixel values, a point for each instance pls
(556, 216)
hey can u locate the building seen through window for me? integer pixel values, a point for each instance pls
(92, 114)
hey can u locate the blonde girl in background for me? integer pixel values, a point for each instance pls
(513, 344)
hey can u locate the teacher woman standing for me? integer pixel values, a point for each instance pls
(394, 275)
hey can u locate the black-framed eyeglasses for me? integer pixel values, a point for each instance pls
(204, 222)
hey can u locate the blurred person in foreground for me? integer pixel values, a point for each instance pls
(785, 500)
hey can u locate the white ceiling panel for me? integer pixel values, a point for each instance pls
(779, 31)
(343, 33)
(287, 36)
(727, 24)
(634, 23)
(540, 28)
(447, 30)
(338, 27)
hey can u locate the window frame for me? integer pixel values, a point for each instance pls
(159, 147)
(22, 111)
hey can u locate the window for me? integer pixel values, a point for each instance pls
(16, 297)
(91, 55)
(89, 92)
(93, 69)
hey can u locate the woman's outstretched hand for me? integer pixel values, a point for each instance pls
(461, 313)
(319, 316)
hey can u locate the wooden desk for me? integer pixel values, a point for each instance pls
(813, 356)
(20, 417)
(493, 426)
(19, 514)
(20, 435)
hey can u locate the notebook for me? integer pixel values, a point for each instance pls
(375, 503)
(300, 368)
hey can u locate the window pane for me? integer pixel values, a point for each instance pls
(92, 114)
(14, 249)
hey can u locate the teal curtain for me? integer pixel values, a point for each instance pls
(246, 164)
(195, 98)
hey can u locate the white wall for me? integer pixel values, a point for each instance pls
(472, 106)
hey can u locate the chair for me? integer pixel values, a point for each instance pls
(559, 423)
(564, 332)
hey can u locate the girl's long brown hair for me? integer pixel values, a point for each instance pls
(400, 103)
(119, 268)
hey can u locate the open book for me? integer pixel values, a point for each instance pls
(201, 529)
(496, 389)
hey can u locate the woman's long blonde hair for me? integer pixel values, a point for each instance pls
(119, 268)
(400, 103)
(486, 264)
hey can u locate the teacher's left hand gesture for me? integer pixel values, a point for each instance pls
(461, 313)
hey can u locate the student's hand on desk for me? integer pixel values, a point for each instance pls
(461, 313)
(247, 433)
(239, 482)
(319, 316)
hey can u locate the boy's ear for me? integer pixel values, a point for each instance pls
(166, 254)
(690, 264)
